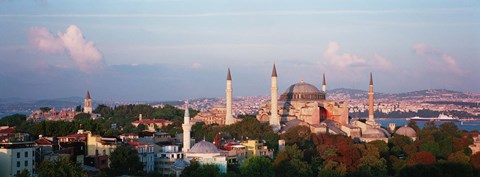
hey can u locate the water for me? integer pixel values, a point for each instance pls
(469, 126)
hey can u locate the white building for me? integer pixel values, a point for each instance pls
(16, 157)
(145, 155)
(205, 152)
(165, 159)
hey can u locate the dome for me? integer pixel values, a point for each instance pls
(180, 163)
(375, 133)
(204, 147)
(302, 91)
(406, 131)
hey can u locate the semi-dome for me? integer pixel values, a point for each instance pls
(302, 91)
(375, 133)
(204, 147)
(406, 131)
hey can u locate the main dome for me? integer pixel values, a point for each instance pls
(204, 147)
(302, 91)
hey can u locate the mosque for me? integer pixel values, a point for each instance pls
(304, 104)
(300, 104)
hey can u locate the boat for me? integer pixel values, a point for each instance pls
(441, 117)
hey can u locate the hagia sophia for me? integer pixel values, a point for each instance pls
(304, 104)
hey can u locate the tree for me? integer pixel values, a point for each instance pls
(299, 135)
(423, 157)
(13, 120)
(82, 117)
(60, 168)
(475, 161)
(23, 173)
(430, 146)
(195, 169)
(331, 168)
(124, 161)
(289, 163)
(45, 109)
(458, 157)
(257, 166)
(373, 166)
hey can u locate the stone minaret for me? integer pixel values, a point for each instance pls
(274, 119)
(87, 104)
(186, 129)
(228, 100)
(370, 101)
(324, 84)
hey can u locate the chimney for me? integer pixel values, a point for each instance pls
(139, 116)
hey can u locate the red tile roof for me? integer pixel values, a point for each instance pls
(43, 142)
(75, 136)
(150, 121)
(8, 130)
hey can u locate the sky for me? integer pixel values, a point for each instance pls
(150, 50)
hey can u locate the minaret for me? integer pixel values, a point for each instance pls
(186, 129)
(274, 119)
(228, 100)
(324, 84)
(370, 101)
(87, 104)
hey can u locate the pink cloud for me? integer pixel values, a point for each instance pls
(380, 62)
(342, 61)
(348, 61)
(41, 39)
(83, 53)
(441, 61)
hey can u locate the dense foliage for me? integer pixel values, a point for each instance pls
(121, 116)
(124, 161)
(437, 151)
(248, 128)
(60, 168)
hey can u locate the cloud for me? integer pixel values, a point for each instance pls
(341, 61)
(83, 53)
(196, 65)
(439, 60)
(381, 62)
(344, 61)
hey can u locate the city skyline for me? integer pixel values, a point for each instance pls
(170, 50)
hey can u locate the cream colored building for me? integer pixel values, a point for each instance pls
(256, 148)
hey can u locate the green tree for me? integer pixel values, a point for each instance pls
(299, 135)
(82, 117)
(257, 166)
(459, 157)
(60, 168)
(13, 120)
(124, 161)
(430, 146)
(372, 166)
(23, 173)
(332, 168)
(197, 170)
(45, 109)
(289, 163)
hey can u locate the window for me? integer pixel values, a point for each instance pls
(18, 154)
(26, 154)
(26, 163)
(18, 163)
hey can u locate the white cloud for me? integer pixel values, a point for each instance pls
(43, 40)
(83, 53)
(343, 61)
(196, 65)
(380, 62)
(437, 59)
